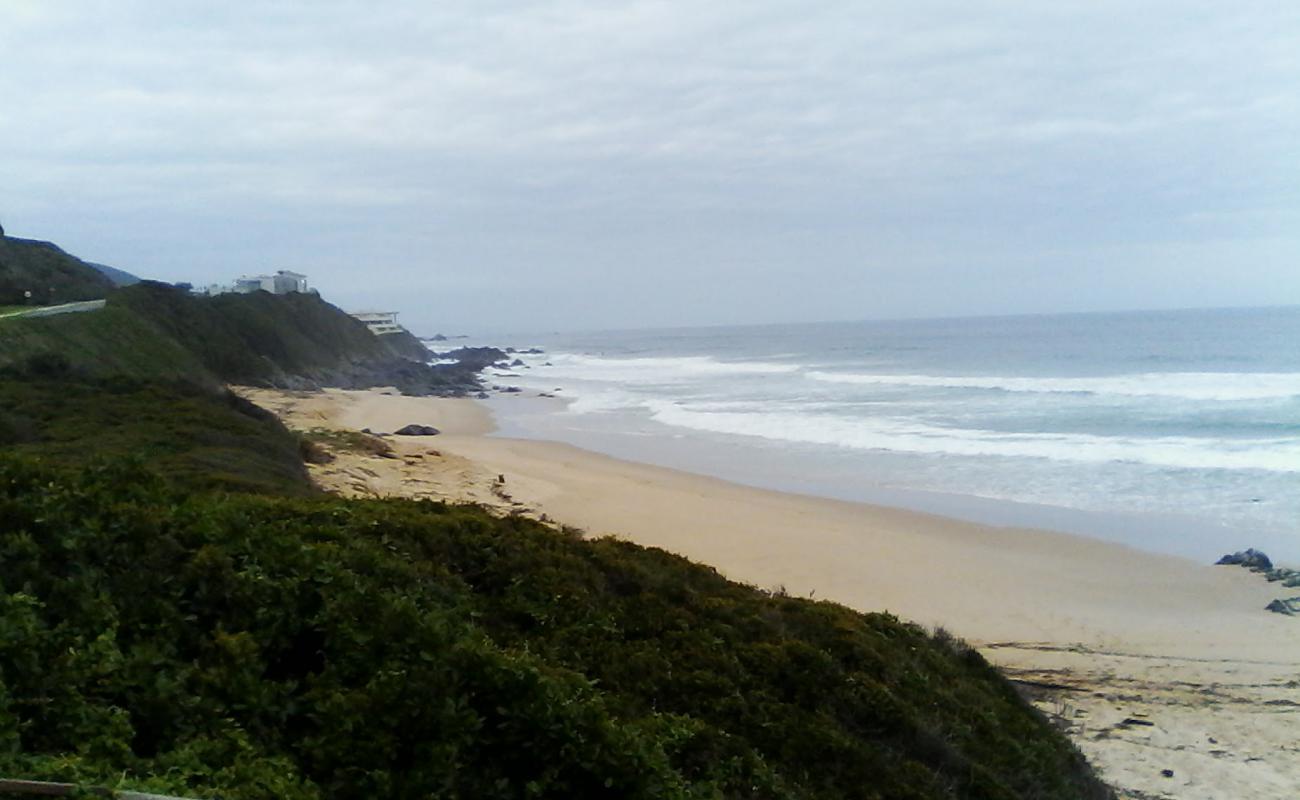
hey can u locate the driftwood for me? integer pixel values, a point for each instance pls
(48, 789)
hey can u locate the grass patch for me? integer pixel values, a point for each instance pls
(349, 441)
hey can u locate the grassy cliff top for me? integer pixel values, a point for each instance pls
(155, 331)
(49, 274)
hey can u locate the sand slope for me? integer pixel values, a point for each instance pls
(1105, 637)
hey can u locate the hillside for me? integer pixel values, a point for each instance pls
(155, 331)
(165, 634)
(183, 612)
(119, 277)
(49, 274)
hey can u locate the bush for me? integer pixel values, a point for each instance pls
(318, 647)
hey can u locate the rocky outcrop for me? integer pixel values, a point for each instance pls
(476, 358)
(1255, 561)
(1250, 558)
(1289, 606)
(417, 430)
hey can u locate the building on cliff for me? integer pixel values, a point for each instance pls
(379, 322)
(282, 282)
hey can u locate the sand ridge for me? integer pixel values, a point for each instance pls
(1151, 663)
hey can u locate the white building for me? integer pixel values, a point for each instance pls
(255, 283)
(379, 322)
(286, 282)
(282, 282)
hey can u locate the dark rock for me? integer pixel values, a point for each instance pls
(518, 362)
(473, 357)
(1249, 558)
(533, 351)
(481, 396)
(1289, 606)
(1134, 721)
(1168, 773)
(512, 390)
(417, 430)
(1288, 577)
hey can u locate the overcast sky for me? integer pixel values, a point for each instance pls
(490, 165)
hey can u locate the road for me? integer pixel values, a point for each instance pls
(49, 311)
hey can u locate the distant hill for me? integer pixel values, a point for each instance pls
(119, 277)
(154, 331)
(48, 273)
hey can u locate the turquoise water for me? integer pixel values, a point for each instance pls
(1184, 426)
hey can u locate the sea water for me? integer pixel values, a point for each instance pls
(1173, 431)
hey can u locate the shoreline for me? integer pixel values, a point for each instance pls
(762, 466)
(1106, 637)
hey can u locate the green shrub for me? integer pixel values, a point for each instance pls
(263, 646)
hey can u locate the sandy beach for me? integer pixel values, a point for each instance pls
(1153, 664)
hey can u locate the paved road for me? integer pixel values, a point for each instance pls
(49, 311)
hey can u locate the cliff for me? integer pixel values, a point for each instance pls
(155, 331)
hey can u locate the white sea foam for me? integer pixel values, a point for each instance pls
(911, 436)
(654, 370)
(1212, 386)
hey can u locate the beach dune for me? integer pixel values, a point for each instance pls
(1153, 663)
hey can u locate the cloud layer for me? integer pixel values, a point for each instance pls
(496, 165)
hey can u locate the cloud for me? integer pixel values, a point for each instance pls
(509, 138)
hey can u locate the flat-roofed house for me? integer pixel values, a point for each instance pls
(282, 282)
(285, 282)
(379, 322)
(255, 283)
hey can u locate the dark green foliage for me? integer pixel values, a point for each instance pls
(112, 342)
(318, 647)
(258, 337)
(51, 275)
(156, 331)
(201, 439)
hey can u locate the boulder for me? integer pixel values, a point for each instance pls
(1249, 558)
(1289, 606)
(417, 430)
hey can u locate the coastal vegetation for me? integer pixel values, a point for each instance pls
(169, 638)
(154, 331)
(34, 273)
(181, 611)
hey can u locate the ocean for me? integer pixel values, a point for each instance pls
(1172, 431)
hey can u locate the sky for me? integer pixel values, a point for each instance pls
(533, 166)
